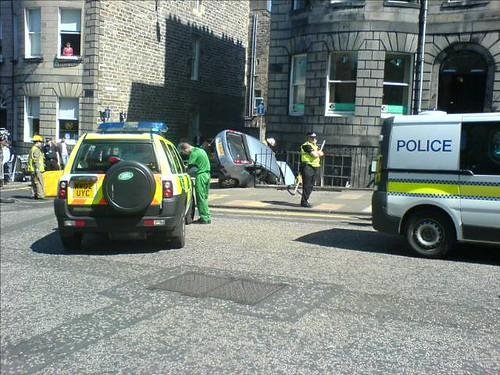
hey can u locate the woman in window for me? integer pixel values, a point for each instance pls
(68, 50)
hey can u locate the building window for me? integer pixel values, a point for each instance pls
(197, 5)
(298, 85)
(31, 117)
(402, 3)
(70, 24)
(298, 4)
(397, 73)
(337, 170)
(195, 60)
(33, 46)
(68, 115)
(341, 83)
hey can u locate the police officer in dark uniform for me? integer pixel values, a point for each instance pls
(310, 158)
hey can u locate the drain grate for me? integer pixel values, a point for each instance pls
(243, 291)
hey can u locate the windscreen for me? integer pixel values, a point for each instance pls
(99, 156)
(236, 147)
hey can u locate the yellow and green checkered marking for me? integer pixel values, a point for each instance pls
(445, 189)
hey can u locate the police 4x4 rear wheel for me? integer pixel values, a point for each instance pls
(72, 241)
(177, 237)
(430, 234)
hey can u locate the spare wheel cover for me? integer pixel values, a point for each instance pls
(129, 187)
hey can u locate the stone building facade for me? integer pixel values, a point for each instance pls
(257, 65)
(182, 62)
(339, 67)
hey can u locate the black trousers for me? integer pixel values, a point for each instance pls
(308, 178)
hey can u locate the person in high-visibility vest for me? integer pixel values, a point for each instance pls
(198, 159)
(310, 161)
(36, 166)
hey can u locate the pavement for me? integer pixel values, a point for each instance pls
(347, 201)
(269, 198)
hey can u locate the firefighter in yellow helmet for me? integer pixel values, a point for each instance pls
(36, 166)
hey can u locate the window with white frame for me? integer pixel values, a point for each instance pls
(397, 73)
(298, 4)
(195, 60)
(341, 83)
(70, 33)
(31, 117)
(298, 85)
(68, 119)
(33, 26)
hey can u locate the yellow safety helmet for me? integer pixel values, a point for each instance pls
(37, 138)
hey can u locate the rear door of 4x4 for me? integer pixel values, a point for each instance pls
(480, 190)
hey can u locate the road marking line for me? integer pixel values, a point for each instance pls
(212, 197)
(280, 213)
(14, 189)
(249, 204)
(328, 206)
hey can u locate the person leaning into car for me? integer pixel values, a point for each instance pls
(198, 159)
(36, 166)
(310, 158)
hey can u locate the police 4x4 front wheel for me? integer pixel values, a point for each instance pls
(430, 234)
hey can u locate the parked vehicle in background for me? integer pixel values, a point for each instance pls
(240, 158)
(438, 180)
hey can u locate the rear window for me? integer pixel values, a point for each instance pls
(99, 156)
(236, 147)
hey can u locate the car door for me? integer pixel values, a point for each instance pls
(480, 181)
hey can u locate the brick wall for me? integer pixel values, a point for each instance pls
(145, 63)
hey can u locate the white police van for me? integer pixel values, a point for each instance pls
(438, 180)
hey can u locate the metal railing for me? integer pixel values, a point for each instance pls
(342, 166)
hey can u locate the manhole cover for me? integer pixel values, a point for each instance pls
(243, 291)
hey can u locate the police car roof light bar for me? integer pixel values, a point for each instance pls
(133, 127)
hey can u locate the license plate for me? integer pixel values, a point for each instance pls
(220, 148)
(83, 190)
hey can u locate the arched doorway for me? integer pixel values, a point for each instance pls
(462, 82)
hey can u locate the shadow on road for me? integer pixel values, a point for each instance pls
(282, 203)
(374, 242)
(96, 245)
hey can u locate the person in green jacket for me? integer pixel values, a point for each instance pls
(36, 166)
(198, 159)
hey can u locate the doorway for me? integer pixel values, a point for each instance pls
(462, 82)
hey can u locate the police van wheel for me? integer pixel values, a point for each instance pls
(71, 242)
(430, 234)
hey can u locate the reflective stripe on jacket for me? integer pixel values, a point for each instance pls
(307, 158)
